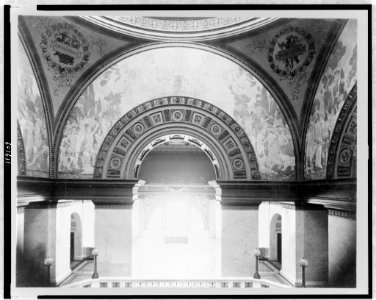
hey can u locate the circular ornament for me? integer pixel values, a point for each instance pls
(177, 115)
(64, 48)
(215, 129)
(139, 128)
(115, 163)
(238, 164)
(291, 51)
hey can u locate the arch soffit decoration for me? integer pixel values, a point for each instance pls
(188, 115)
(343, 143)
(41, 80)
(122, 53)
(315, 78)
(214, 157)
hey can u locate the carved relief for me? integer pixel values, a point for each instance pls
(134, 128)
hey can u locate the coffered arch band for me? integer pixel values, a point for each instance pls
(133, 159)
(179, 137)
(176, 115)
(122, 53)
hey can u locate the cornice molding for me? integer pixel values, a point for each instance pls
(35, 62)
(338, 193)
(314, 81)
(344, 137)
(342, 213)
(302, 206)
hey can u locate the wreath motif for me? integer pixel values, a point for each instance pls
(64, 48)
(291, 51)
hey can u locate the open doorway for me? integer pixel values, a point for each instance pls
(176, 219)
(275, 252)
(75, 241)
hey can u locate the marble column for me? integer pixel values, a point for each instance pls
(305, 234)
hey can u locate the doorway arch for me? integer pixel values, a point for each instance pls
(275, 250)
(75, 239)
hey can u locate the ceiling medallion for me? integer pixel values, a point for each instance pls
(291, 51)
(64, 48)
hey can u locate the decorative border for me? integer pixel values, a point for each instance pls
(123, 52)
(120, 28)
(341, 129)
(313, 84)
(208, 116)
(188, 25)
(21, 157)
(303, 206)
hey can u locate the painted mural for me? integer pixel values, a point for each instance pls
(176, 71)
(31, 119)
(337, 80)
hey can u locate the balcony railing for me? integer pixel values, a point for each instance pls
(222, 283)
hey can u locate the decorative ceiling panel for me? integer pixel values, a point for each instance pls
(66, 51)
(287, 53)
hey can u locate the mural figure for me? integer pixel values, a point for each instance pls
(330, 97)
(31, 119)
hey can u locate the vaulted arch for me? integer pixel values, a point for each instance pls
(124, 147)
(213, 76)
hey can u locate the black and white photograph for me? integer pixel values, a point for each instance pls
(187, 151)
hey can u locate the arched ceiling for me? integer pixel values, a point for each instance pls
(281, 62)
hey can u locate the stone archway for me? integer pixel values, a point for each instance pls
(127, 141)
